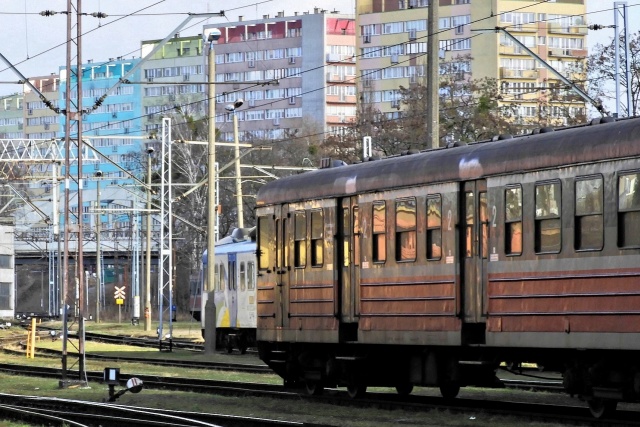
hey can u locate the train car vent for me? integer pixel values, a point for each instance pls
(328, 162)
(547, 130)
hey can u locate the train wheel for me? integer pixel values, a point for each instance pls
(601, 408)
(356, 390)
(404, 389)
(314, 388)
(449, 390)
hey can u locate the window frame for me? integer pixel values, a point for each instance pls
(539, 220)
(620, 223)
(409, 231)
(317, 242)
(430, 231)
(577, 224)
(265, 228)
(299, 239)
(376, 236)
(508, 234)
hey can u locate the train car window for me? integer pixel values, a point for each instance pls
(251, 275)
(300, 235)
(346, 237)
(484, 224)
(470, 220)
(356, 236)
(223, 277)
(434, 227)
(548, 231)
(265, 235)
(317, 238)
(279, 243)
(243, 276)
(629, 210)
(406, 229)
(379, 232)
(589, 221)
(233, 277)
(513, 221)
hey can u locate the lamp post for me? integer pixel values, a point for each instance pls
(239, 208)
(98, 175)
(209, 308)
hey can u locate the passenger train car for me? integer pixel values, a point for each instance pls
(429, 269)
(235, 291)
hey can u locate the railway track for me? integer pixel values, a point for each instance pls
(48, 411)
(524, 410)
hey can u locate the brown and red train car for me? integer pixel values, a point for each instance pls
(432, 268)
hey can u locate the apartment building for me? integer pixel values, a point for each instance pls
(112, 124)
(12, 116)
(173, 76)
(392, 43)
(291, 71)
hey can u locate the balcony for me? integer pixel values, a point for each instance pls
(557, 28)
(507, 73)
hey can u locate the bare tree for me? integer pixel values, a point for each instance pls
(601, 72)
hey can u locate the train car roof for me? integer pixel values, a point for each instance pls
(244, 246)
(576, 145)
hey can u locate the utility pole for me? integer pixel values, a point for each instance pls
(74, 115)
(147, 275)
(98, 175)
(620, 12)
(433, 78)
(209, 308)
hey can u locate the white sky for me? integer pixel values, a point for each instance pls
(35, 44)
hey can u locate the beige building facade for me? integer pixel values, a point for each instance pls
(393, 36)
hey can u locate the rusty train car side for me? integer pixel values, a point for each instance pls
(430, 269)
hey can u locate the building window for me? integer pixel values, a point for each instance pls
(379, 232)
(589, 226)
(629, 210)
(548, 231)
(434, 227)
(406, 230)
(5, 295)
(513, 220)
(5, 261)
(300, 243)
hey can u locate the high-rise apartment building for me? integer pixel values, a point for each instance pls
(173, 77)
(392, 44)
(291, 71)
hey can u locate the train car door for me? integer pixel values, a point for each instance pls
(283, 265)
(474, 246)
(232, 289)
(349, 264)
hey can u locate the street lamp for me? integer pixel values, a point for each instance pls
(239, 209)
(209, 309)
